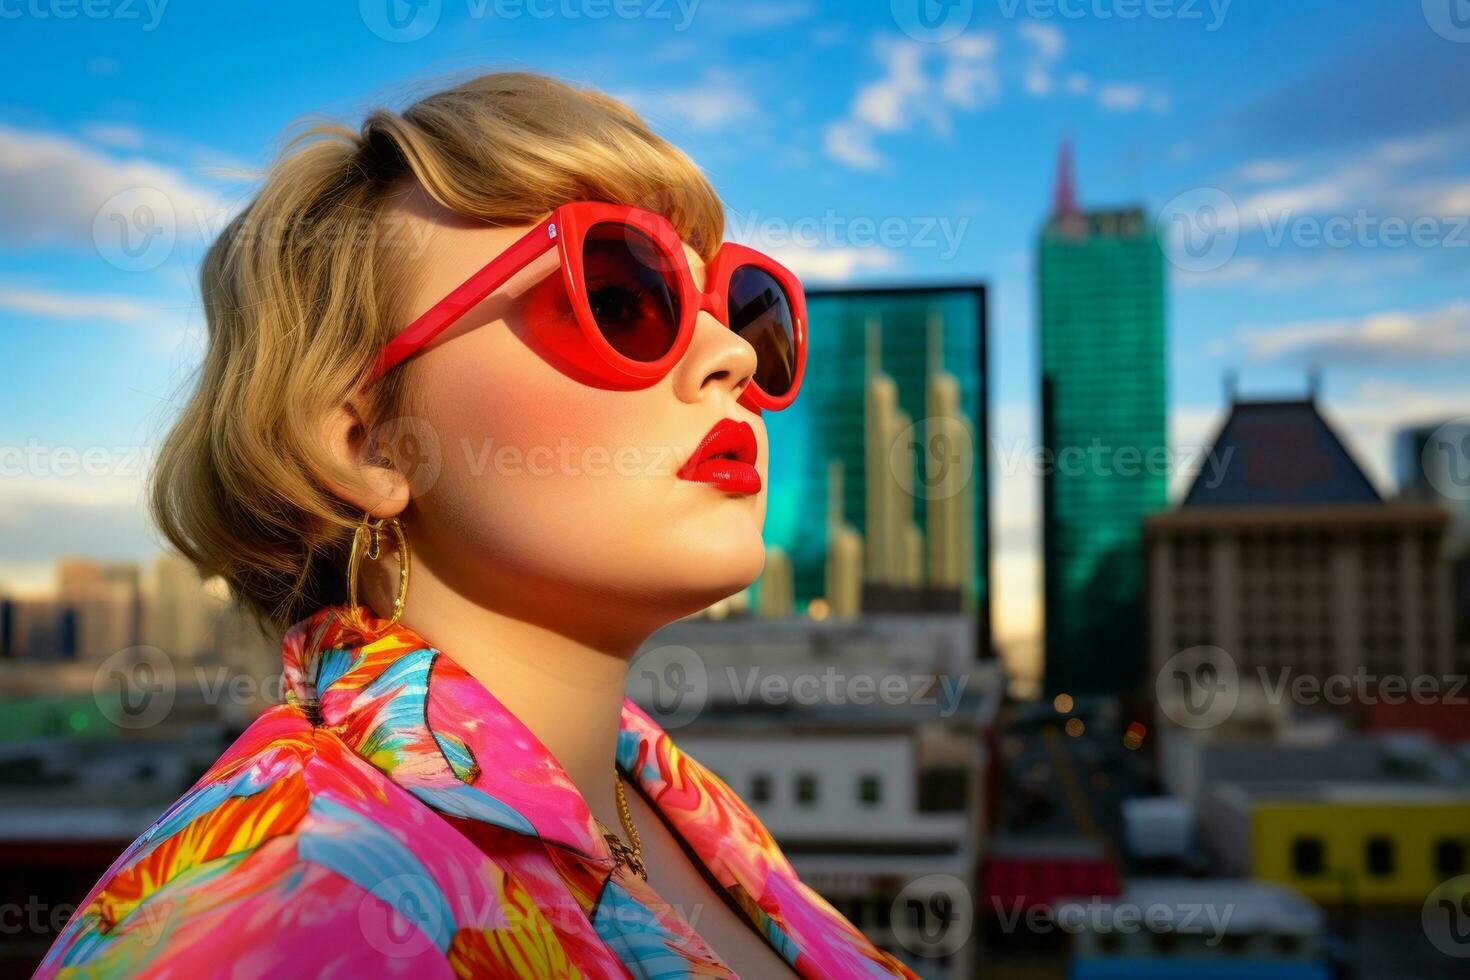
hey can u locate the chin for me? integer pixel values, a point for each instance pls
(713, 571)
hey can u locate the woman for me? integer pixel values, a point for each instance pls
(568, 431)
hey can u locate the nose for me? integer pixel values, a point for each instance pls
(718, 360)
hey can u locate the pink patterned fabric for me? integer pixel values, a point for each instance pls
(393, 818)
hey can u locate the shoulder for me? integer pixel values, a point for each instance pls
(291, 852)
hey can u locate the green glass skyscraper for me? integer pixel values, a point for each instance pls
(1103, 381)
(910, 332)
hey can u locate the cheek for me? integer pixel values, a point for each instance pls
(543, 478)
(527, 451)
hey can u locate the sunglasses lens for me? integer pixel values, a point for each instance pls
(760, 311)
(632, 290)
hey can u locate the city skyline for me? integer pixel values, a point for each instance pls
(1252, 106)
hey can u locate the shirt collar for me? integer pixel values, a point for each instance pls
(422, 720)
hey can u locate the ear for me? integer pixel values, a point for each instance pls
(365, 474)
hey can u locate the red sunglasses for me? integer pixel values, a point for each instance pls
(635, 301)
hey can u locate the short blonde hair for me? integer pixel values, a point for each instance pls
(303, 287)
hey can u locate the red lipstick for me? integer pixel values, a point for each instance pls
(725, 458)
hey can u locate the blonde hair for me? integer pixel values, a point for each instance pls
(303, 287)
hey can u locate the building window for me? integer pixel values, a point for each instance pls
(1307, 856)
(1449, 858)
(1378, 855)
(760, 788)
(943, 789)
(806, 788)
(870, 790)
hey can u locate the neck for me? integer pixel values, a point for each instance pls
(565, 685)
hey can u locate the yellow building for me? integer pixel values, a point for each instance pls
(1358, 843)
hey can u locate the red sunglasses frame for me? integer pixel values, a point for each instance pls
(566, 230)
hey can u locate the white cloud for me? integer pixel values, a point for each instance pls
(1121, 97)
(72, 306)
(929, 83)
(52, 187)
(851, 143)
(1267, 171)
(1453, 198)
(920, 83)
(119, 135)
(1047, 45)
(833, 265)
(1280, 272)
(1045, 39)
(716, 101)
(1393, 336)
(885, 104)
(970, 80)
(1375, 181)
(1372, 418)
(163, 328)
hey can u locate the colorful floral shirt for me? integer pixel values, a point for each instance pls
(392, 817)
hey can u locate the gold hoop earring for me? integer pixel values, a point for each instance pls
(373, 532)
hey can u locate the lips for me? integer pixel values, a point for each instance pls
(725, 458)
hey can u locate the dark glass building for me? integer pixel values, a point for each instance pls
(910, 336)
(1101, 299)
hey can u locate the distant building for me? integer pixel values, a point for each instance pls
(180, 614)
(863, 746)
(1103, 381)
(1202, 929)
(1192, 763)
(1432, 463)
(36, 629)
(879, 482)
(105, 603)
(1284, 556)
(1034, 873)
(68, 808)
(1341, 842)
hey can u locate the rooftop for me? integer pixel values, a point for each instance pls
(1271, 453)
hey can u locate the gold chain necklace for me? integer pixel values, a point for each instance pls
(628, 854)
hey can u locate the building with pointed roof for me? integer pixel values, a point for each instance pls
(1284, 555)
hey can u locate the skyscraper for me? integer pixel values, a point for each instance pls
(1101, 296)
(879, 480)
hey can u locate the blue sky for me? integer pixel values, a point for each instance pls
(1322, 145)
